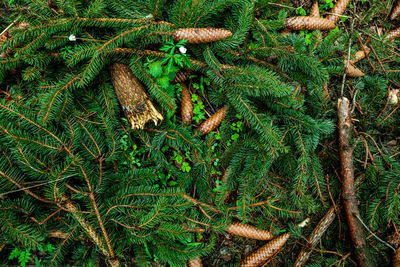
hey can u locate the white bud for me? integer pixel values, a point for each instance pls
(72, 37)
(149, 16)
(182, 49)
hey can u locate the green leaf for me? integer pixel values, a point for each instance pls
(156, 69)
(24, 257)
(14, 253)
(186, 167)
(163, 81)
(37, 262)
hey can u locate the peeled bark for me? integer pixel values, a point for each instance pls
(134, 101)
(249, 231)
(201, 35)
(396, 10)
(393, 34)
(309, 23)
(356, 229)
(396, 258)
(265, 252)
(315, 237)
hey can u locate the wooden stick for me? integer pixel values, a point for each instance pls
(315, 237)
(349, 196)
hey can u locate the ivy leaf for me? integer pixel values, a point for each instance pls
(156, 69)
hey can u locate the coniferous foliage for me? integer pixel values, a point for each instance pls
(74, 175)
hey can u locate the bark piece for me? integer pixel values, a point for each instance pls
(338, 10)
(314, 12)
(396, 258)
(265, 252)
(195, 262)
(213, 122)
(396, 10)
(201, 35)
(309, 23)
(134, 101)
(182, 75)
(356, 229)
(249, 231)
(315, 237)
(187, 105)
(393, 34)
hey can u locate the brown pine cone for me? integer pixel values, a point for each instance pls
(353, 71)
(182, 75)
(134, 101)
(249, 231)
(187, 105)
(213, 122)
(396, 258)
(195, 262)
(393, 34)
(396, 10)
(201, 35)
(314, 12)
(338, 10)
(309, 23)
(359, 55)
(265, 252)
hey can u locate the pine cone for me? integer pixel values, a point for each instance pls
(182, 75)
(213, 122)
(201, 35)
(353, 71)
(309, 23)
(249, 231)
(338, 10)
(315, 237)
(396, 10)
(393, 34)
(187, 105)
(314, 12)
(134, 100)
(268, 250)
(195, 262)
(359, 55)
(396, 258)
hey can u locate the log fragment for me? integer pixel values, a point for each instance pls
(356, 229)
